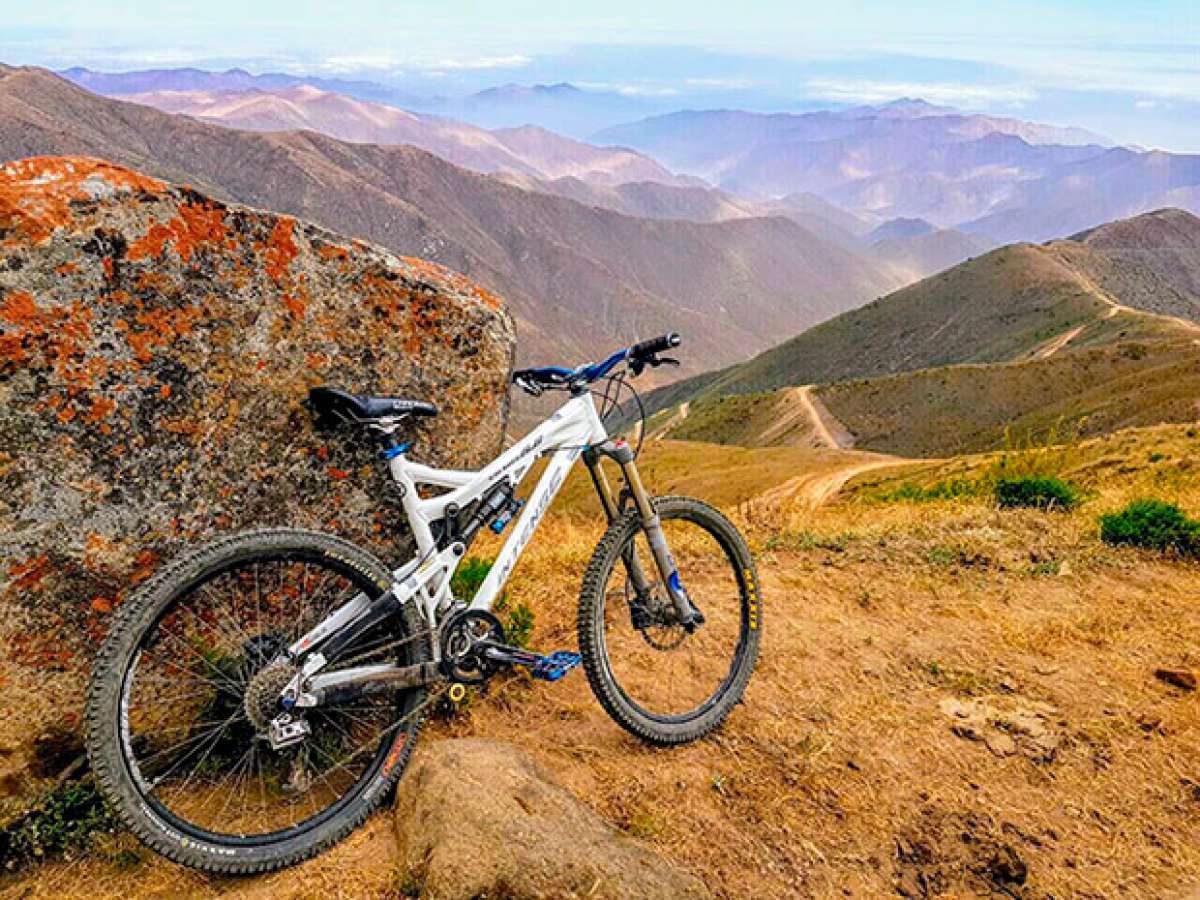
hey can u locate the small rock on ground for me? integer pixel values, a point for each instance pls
(478, 818)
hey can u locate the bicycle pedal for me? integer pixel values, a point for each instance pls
(555, 666)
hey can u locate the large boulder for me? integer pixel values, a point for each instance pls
(155, 349)
(479, 818)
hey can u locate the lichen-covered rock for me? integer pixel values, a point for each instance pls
(155, 349)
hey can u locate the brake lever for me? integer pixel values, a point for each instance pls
(530, 387)
(663, 361)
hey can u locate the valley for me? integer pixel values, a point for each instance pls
(1079, 336)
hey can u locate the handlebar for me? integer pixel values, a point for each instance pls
(640, 355)
(647, 349)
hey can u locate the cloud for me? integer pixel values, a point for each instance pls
(395, 65)
(360, 62)
(629, 90)
(731, 84)
(512, 61)
(967, 95)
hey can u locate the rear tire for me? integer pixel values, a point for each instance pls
(112, 753)
(728, 570)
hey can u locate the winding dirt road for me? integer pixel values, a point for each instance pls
(812, 489)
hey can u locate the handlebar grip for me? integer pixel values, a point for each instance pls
(655, 345)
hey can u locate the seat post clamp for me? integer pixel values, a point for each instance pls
(395, 450)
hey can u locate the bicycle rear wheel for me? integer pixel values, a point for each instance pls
(190, 677)
(656, 680)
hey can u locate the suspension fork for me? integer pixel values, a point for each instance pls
(618, 451)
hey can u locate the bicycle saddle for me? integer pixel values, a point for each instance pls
(333, 404)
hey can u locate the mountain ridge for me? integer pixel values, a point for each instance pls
(527, 150)
(1024, 305)
(1006, 179)
(580, 280)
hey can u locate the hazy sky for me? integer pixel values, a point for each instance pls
(1128, 70)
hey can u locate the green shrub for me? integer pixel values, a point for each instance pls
(63, 824)
(469, 576)
(939, 490)
(1153, 524)
(1036, 491)
(517, 618)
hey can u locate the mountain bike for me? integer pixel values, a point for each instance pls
(257, 698)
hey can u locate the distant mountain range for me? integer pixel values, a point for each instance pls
(1092, 333)
(536, 159)
(528, 150)
(1001, 178)
(143, 81)
(564, 108)
(579, 279)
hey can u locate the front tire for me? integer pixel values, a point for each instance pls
(164, 810)
(657, 681)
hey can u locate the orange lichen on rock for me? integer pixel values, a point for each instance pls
(29, 574)
(46, 337)
(448, 278)
(280, 249)
(197, 224)
(36, 193)
(333, 251)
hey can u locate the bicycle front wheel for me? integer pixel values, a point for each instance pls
(657, 680)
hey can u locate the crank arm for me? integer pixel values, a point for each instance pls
(513, 656)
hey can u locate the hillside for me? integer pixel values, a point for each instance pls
(930, 720)
(1166, 243)
(579, 280)
(1034, 335)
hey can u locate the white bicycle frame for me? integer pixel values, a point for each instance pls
(563, 437)
(425, 579)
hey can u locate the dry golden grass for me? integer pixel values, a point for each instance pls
(843, 774)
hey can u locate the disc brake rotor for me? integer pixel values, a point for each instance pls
(658, 631)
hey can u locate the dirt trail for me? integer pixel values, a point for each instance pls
(799, 404)
(1118, 307)
(812, 489)
(665, 428)
(1055, 344)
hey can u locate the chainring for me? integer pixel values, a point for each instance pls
(461, 636)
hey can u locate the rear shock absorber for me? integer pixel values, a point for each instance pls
(495, 503)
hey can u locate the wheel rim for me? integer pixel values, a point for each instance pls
(187, 734)
(664, 673)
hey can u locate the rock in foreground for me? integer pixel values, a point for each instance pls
(155, 349)
(478, 818)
